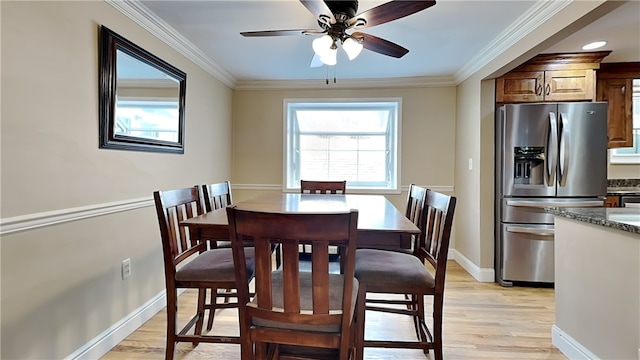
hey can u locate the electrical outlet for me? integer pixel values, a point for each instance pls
(126, 268)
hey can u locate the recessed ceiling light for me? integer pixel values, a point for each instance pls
(594, 45)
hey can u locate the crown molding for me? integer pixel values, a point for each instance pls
(319, 84)
(537, 15)
(141, 15)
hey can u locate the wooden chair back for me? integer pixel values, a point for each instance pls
(323, 187)
(173, 206)
(434, 239)
(203, 270)
(217, 196)
(298, 301)
(414, 210)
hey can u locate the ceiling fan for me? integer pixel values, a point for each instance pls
(336, 17)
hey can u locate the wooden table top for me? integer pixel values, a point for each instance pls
(376, 213)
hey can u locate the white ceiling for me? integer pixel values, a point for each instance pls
(444, 40)
(620, 28)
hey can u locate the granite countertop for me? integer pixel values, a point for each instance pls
(625, 219)
(623, 190)
(623, 187)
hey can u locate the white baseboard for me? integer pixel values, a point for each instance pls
(569, 346)
(478, 273)
(101, 344)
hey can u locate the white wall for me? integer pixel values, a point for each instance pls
(623, 171)
(597, 288)
(61, 284)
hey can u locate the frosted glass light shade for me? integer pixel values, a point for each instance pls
(352, 48)
(322, 44)
(330, 57)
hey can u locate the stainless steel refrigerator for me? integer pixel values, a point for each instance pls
(547, 155)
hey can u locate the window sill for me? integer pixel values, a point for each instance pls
(624, 159)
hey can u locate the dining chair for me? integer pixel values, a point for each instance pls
(296, 313)
(323, 187)
(189, 264)
(395, 272)
(217, 196)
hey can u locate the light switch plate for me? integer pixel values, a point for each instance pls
(126, 268)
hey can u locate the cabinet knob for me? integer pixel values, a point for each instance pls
(548, 90)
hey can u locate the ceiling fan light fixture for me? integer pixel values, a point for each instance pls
(352, 47)
(330, 57)
(322, 45)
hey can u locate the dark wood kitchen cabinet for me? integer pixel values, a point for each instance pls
(615, 86)
(612, 201)
(551, 77)
(555, 85)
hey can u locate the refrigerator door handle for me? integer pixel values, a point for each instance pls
(529, 230)
(564, 150)
(551, 148)
(546, 204)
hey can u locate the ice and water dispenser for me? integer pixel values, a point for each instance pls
(528, 165)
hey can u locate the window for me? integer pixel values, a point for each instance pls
(631, 155)
(148, 119)
(353, 140)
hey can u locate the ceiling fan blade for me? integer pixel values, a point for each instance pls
(315, 61)
(381, 46)
(389, 11)
(320, 10)
(278, 32)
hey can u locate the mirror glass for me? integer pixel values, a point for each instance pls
(141, 98)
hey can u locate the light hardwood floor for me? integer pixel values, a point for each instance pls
(481, 321)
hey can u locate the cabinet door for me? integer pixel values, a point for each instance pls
(617, 92)
(612, 201)
(521, 86)
(569, 85)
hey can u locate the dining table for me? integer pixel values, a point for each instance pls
(380, 224)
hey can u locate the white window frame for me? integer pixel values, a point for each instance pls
(394, 185)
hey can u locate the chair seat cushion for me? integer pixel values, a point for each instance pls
(392, 272)
(306, 303)
(214, 265)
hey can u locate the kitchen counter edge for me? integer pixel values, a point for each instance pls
(621, 191)
(599, 216)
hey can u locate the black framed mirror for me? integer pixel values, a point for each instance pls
(142, 98)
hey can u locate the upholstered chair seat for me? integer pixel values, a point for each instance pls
(214, 265)
(306, 301)
(392, 271)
